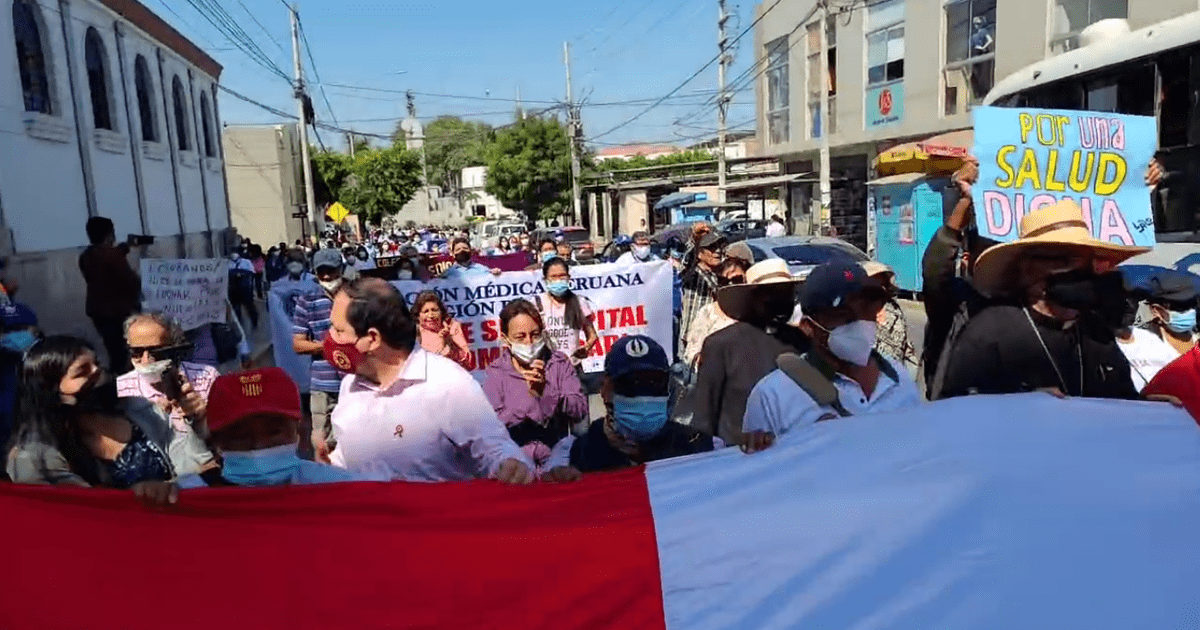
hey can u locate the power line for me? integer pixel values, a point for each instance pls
(431, 95)
(262, 28)
(316, 74)
(220, 19)
(690, 78)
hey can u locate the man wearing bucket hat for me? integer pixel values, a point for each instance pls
(736, 357)
(841, 305)
(1054, 337)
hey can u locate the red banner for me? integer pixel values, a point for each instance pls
(362, 555)
(435, 264)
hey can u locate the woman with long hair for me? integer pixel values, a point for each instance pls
(440, 333)
(73, 430)
(567, 316)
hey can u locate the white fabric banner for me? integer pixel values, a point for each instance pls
(282, 305)
(624, 299)
(192, 291)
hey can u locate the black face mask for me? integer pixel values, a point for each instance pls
(1085, 291)
(462, 258)
(100, 396)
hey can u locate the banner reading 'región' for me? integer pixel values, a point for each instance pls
(626, 300)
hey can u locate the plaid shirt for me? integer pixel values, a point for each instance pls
(699, 289)
(892, 339)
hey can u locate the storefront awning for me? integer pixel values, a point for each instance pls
(943, 152)
(774, 180)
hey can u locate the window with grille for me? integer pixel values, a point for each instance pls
(31, 57)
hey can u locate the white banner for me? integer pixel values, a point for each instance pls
(625, 300)
(192, 291)
(282, 305)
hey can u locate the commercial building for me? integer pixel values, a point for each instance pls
(266, 185)
(104, 110)
(897, 71)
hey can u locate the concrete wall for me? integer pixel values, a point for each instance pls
(1023, 32)
(262, 169)
(633, 208)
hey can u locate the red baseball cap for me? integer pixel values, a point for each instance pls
(266, 391)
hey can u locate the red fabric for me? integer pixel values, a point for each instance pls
(1181, 379)
(361, 556)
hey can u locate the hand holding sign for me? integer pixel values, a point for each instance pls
(1029, 159)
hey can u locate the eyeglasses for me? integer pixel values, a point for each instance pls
(137, 351)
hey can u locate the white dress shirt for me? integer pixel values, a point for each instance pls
(775, 229)
(777, 404)
(433, 424)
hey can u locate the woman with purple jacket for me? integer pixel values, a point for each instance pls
(534, 389)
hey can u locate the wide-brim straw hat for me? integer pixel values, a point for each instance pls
(735, 299)
(1060, 224)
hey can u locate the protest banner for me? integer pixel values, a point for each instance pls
(282, 305)
(625, 300)
(1030, 158)
(974, 513)
(435, 264)
(193, 291)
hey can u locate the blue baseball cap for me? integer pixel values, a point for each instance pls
(828, 285)
(17, 315)
(635, 353)
(327, 258)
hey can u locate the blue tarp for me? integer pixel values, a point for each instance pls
(675, 199)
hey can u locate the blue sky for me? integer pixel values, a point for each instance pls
(622, 50)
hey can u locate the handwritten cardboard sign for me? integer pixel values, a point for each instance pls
(192, 291)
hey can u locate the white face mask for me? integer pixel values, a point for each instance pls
(152, 372)
(641, 252)
(526, 353)
(295, 268)
(404, 274)
(330, 286)
(853, 342)
(235, 256)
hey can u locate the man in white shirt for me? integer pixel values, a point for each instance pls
(775, 227)
(403, 412)
(640, 252)
(840, 310)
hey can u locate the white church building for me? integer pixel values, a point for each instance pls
(105, 110)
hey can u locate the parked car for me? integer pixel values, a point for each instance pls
(578, 237)
(803, 253)
(742, 229)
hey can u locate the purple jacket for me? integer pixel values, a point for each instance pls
(509, 393)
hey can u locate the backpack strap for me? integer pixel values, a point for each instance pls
(814, 377)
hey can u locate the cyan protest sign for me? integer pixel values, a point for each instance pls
(1030, 158)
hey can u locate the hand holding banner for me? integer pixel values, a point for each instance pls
(1030, 158)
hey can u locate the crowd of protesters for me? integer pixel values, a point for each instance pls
(757, 353)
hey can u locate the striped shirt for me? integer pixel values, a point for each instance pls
(311, 319)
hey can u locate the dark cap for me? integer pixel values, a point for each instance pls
(710, 239)
(635, 353)
(828, 285)
(1176, 287)
(327, 258)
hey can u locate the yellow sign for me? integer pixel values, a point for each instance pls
(337, 212)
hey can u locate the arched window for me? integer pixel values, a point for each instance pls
(31, 57)
(145, 98)
(181, 113)
(206, 122)
(97, 73)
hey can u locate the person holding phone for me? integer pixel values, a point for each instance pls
(440, 334)
(114, 289)
(534, 389)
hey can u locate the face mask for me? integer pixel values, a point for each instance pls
(153, 371)
(265, 467)
(343, 356)
(405, 274)
(641, 252)
(546, 256)
(1182, 321)
(351, 259)
(101, 395)
(295, 268)
(853, 342)
(558, 288)
(462, 258)
(526, 353)
(235, 256)
(330, 286)
(639, 418)
(18, 341)
(1076, 290)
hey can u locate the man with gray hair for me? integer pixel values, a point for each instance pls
(157, 348)
(639, 252)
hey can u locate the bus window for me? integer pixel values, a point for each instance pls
(1059, 95)
(1174, 115)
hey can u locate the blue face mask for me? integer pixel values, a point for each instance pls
(558, 288)
(1182, 321)
(639, 418)
(18, 341)
(265, 467)
(546, 256)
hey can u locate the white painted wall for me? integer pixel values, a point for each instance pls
(187, 162)
(162, 215)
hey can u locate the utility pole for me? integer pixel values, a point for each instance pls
(722, 97)
(298, 91)
(350, 141)
(573, 130)
(826, 193)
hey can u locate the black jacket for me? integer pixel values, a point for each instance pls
(999, 353)
(592, 452)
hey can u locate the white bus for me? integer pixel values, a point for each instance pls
(1154, 71)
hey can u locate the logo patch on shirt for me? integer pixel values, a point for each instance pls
(399, 432)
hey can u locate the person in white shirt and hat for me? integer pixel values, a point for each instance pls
(840, 306)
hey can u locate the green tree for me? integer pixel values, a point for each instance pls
(451, 144)
(383, 181)
(529, 168)
(330, 171)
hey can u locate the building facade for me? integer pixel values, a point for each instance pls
(476, 197)
(104, 110)
(263, 168)
(896, 71)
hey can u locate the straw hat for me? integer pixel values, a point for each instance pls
(874, 268)
(1059, 224)
(735, 299)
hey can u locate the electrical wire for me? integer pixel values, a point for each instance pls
(431, 95)
(316, 74)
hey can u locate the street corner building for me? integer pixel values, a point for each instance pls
(1020, 511)
(105, 110)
